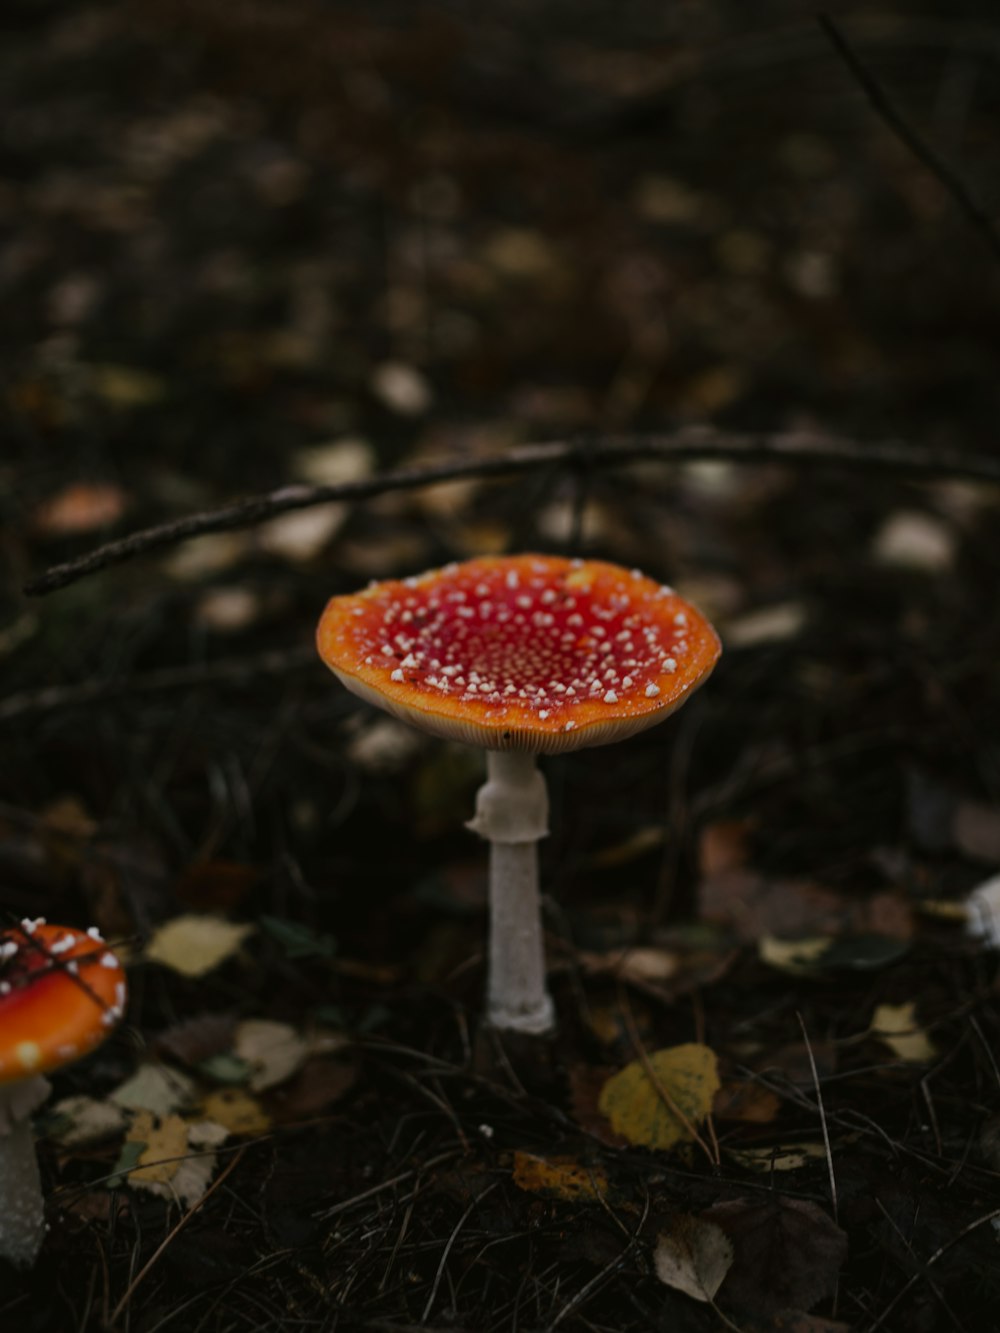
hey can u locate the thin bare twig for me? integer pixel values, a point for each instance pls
(225, 671)
(922, 151)
(795, 448)
(171, 1235)
(822, 1114)
(938, 1253)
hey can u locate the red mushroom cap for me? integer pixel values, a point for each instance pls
(61, 992)
(529, 652)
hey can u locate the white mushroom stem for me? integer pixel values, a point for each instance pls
(22, 1209)
(512, 810)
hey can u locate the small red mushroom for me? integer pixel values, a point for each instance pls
(520, 655)
(61, 992)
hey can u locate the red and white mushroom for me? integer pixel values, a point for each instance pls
(520, 655)
(61, 992)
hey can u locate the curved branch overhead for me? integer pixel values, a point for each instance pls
(795, 449)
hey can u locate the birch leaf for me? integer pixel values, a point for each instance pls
(694, 1257)
(657, 1103)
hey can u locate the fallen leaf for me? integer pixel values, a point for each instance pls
(191, 1174)
(156, 1088)
(316, 1086)
(897, 1026)
(750, 1103)
(300, 535)
(694, 1257)
(401, 388)
(80, 508)
(799, 958)
(193, 945)
(816, 955)
(982, 912)
(197, 1039)
(559, 1177)
(639, 964)
(976, 831)
(786, 1252)
(911, 539)
(790, 1158)
(766, 625)
(124, 387)
(272, 1051)
(520, 252)
(723, 845)
(164, 1143)
(658, 1103)
(586, 1082)
(202, 557)
(663, 199)
(78, 1122)
(236, 1111)
(337, 461)
(227, 610)
(384, 746)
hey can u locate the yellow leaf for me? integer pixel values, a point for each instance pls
(658, 1102)
(797, 957)
(896, 1025)
(166, 1145)
(193, 945)
(236, 1111)
(779, 1158)
(561, 1177)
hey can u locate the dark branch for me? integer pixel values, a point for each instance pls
(880, 101)
(225, 671)
(797, 449)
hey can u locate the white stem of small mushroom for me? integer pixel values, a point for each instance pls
(512, 810)
(22, 1209)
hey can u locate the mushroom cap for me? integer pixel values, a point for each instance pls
(61, 992)
(531, 652)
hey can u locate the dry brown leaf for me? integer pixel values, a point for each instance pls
(80, 508)
(723, 845)
(694, 1257)
(976, 831)
(317, 1086)
(197, 1038)
(747, 1102)
(787, 1252)
(585, 1085)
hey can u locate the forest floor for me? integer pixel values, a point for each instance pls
(259, 243)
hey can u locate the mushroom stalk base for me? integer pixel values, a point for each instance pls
(512, 813)
(22, 1210)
